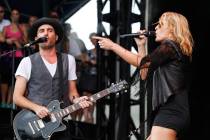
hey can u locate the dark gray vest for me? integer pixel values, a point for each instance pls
(42, 87)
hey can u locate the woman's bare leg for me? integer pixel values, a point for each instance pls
(162, 133)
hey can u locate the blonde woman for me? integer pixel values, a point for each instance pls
(169, 64)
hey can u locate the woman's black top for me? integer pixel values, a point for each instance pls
(170, 84)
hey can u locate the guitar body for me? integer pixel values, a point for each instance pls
(28, 126)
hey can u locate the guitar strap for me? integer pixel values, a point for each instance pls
(60, 72)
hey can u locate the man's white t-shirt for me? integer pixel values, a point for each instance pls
(24, 68)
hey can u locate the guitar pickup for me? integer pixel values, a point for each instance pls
(30, 126)
(40, 123)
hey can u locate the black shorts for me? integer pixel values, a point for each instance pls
(174, 114)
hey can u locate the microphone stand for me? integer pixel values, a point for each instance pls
(13, 50)
(12, 87)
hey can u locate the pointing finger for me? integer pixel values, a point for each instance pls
(97, 37)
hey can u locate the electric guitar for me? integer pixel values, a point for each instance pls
(28, 126)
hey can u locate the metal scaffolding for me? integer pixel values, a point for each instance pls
(120, 18)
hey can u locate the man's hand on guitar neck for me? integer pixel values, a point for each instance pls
(83, 101)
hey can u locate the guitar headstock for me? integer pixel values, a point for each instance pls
(122, 85)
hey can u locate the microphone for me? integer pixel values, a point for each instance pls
(147, 34)
(39, 40)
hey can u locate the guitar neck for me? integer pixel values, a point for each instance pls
(113, 89)
(72, 108)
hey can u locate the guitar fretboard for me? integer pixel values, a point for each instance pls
(114, 88)
(64, 112)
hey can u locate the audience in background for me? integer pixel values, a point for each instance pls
(33, 48)
(3, 22)
(54, 14)
(88, 78)
(3, 83)
(15, 36)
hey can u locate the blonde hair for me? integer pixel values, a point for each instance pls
(179, 28)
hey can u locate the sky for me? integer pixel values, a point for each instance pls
(84, 22)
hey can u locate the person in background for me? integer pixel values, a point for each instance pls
(88, 78)
(3, 21)
(54, 14)
(76, 48)
(15, 36)
(170, 65)
(73, 46)
(31, 20)
(53, 82)
(33, 48)
(3, 60)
